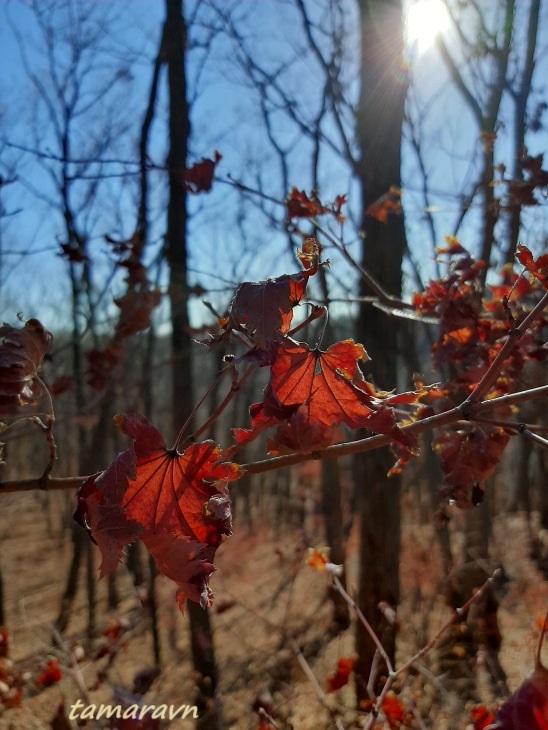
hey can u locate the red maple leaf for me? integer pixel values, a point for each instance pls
(101, 364)
(21, 353)
(300, 205)
(338, 203)
(468, 457)
(73, 252)
(177, 504)
(393, 710)
(302, 434)
(538, 268)
(527, 707)
(51, 675)
(338, 679)
(199, 177)
(313, 391)
(331, 385)
(130, 255)
(520, 191)
(4, 642)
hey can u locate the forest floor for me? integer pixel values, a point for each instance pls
(264, 593)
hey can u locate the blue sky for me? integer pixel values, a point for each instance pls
(230, 240)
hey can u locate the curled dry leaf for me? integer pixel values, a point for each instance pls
(199, 178)
(263, 310)
(135, 310)
(481, 717)
(21, 353)
(51, 675)
(301, 205)
(177, 504)
(310, 254)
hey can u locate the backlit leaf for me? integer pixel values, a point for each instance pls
(176, 503)
(537, 268)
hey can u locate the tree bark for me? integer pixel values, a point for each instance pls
(520, 123)
(380, 119)
(176, 252)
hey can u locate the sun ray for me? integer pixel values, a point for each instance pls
(426, 19)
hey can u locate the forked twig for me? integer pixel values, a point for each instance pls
(394, 673)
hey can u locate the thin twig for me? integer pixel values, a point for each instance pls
(433, 641)
(384, 297)
(195, 409)
(490, 377)
(458, 613)
(353, 447)
(354, 606)
(48, 430)
(313, 681)
(235, 387)
(514, 425)
(533, 436)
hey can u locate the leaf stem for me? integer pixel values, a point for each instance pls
(195, 409)
(235, 387)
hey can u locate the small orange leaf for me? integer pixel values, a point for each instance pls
(338, 679)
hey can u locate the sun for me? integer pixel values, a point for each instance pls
(425, 20)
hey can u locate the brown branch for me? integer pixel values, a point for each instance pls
(372, 283)
(331, 452)
(490, 377)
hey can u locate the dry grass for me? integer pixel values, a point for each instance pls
(275, 596)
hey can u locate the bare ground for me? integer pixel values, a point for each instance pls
(264, 594)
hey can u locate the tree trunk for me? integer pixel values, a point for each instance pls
(520, 124)
(176, 249)
(380, 119)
